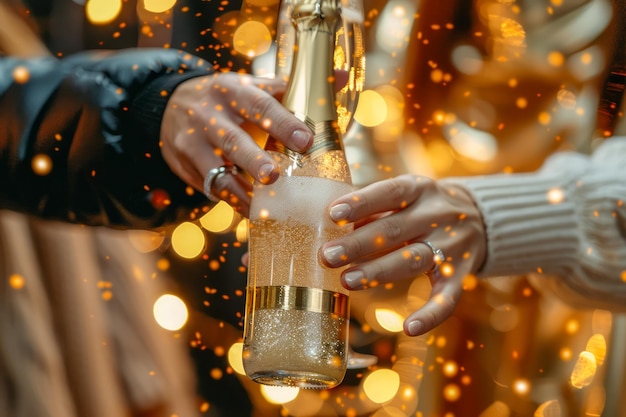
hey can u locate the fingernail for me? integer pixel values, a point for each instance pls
(334, 254)
(414, 328)
(354, 279)
(301, 139)
(265, 172)
(339, 212)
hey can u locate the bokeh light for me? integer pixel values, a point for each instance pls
(389, 320)
(145, 241)
(158, 6)
(188, 240)
(16, 281)
(41, 164)
(219, 219)
(381, 385)
(584, 370)
(279, 395)
(371, 110)
(235, 358)
(101, 12)
(252, 38)
(170, 312)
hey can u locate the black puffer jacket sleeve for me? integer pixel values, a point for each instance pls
(79, 137)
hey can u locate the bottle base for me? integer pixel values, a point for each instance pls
(306, 380)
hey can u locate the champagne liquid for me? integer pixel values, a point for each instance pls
(285, 345)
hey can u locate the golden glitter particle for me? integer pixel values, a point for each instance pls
(572, 326)
(16, 281)
(450, 368)
(556, 59)
(216, 373)
(521, 386)
(470, 282)
(544, 118)
(41, 164)
(447, 270)
(436, 76)
(565, 354)
(555, 196)
(21, 75)
(452, 392)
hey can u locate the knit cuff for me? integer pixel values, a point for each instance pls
(529, 220)
(147, 108)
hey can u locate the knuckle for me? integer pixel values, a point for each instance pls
(392, 228)
(416, 261)
(258, 104)
(228, 140)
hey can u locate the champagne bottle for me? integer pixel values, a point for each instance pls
(297, 312)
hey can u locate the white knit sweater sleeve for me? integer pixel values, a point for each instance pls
(565, 223)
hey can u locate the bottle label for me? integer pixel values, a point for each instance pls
(288, 297)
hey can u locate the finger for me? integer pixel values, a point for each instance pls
(404, 263)
(232, 187)
(399, 193)
(235, 144)
(440, 306)
(262, 109)
(386, 233)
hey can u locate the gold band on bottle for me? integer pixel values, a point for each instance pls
(287, 297)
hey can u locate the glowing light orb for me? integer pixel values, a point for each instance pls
(452, 392)
(21, 75)
(145, 241)
(596, 345)
(241, 231)
(100, 12)
(584, 370)
(41, 164)
(521, 386)
(188, 240)
(389, 320)
(170, 312)
(219, 218)
(158, 6)
(252, 39)
(235, 358)
(381, 385)
(371, 109)
(279, 395)
(16, 281)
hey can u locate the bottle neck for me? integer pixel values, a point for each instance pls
(310, 94)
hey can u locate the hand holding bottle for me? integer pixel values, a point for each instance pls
(392, 220)
(210, 121)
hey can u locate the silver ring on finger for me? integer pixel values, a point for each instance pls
(438, 256)
(212, 176)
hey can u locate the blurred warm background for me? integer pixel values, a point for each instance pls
(452, 88)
